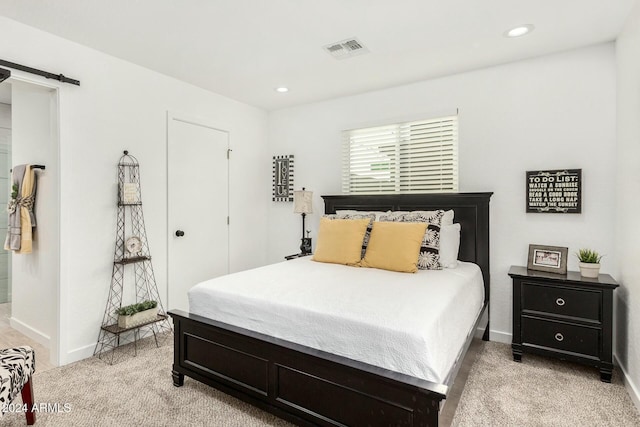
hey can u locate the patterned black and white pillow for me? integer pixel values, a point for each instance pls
(16, 367)
(367, 234)
(429, 258)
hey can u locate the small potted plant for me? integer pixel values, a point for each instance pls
(136, 314)
(589, 263)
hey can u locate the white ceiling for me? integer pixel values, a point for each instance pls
(245, 48)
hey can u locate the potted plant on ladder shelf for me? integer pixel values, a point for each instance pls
(137, 314)
(589, 263)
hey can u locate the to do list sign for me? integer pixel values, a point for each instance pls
(556, 191)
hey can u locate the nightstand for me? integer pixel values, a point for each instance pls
(565, 316)
(294, 256)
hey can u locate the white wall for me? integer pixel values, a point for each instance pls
(552, 112)
(35, 275)
(122, 106)
(628, 202)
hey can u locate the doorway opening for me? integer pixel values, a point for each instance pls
(29, 282)
(5, 166)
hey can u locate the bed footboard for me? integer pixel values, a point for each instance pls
(297, 383)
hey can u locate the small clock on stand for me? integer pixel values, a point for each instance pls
(133, 245)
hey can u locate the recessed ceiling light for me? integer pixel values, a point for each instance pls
(519, 31)
(282, 89)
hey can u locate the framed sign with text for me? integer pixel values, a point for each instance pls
(554, 191)
(283, 178)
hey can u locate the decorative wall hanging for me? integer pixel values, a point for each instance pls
(554, 191)
(283, 178)
(552, 259)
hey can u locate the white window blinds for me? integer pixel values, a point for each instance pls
(419, 156)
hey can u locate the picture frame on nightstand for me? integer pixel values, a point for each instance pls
(550, 259)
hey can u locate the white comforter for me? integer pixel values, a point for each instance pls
(415, 324)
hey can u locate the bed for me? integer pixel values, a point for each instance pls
(311, 381)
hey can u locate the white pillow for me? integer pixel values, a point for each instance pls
(447, 218)
(354, 212)
(449, 245)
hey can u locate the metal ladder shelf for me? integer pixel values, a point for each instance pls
(112, 337)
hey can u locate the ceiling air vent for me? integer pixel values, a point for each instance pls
(346, 48)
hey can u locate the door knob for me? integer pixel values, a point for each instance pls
(179, 233)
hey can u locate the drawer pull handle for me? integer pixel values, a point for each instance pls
(559, 337)
(560, 302)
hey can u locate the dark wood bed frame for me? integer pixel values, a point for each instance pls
(311, 387)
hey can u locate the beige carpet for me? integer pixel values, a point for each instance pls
(139, 391)
(135, 392)
(540, 391)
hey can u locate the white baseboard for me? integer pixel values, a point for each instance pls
(34, 334)
(632, 388)
(78, 354)
(499, 336)
(86, 351)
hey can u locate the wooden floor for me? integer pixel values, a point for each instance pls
(9, 337)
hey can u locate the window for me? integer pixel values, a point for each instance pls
(419, 156)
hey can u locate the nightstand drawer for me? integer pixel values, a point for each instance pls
(576, 303)
(561, 336)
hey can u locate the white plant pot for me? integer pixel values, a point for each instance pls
(138, 318)
(589, 270)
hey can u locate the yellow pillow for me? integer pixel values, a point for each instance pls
(394, 246)
(340, 240)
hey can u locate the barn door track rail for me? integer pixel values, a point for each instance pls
(60, 77)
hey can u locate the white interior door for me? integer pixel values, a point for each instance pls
(198, 206)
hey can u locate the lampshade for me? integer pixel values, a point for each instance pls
(302, 202)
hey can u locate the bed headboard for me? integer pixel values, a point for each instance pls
(471, 211)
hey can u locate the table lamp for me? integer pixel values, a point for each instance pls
(302, 204)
